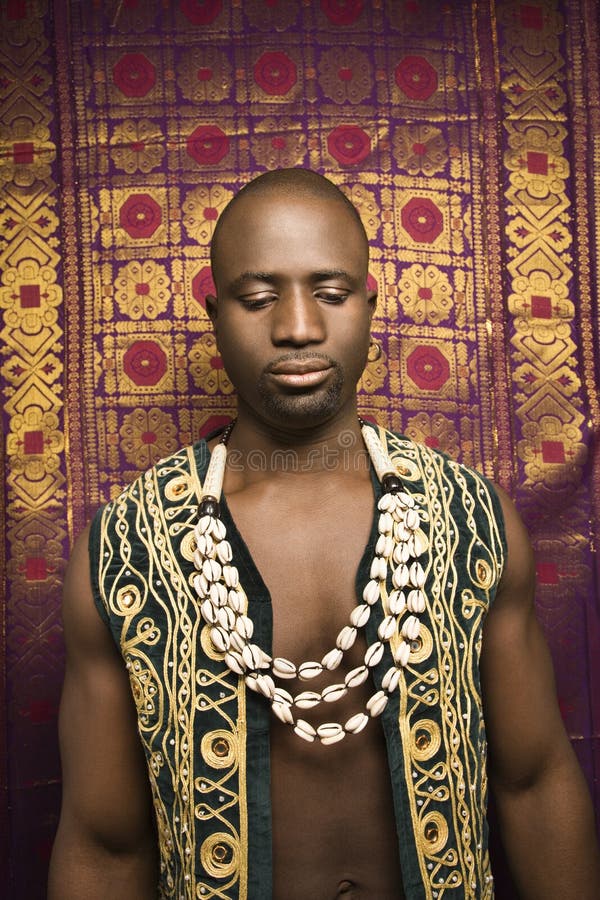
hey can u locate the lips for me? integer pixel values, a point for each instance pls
(300, 373)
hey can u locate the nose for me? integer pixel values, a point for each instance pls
(297, 319)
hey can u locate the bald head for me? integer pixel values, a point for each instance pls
(289, 184)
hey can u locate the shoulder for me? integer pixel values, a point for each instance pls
(518, 577)
(85, 632)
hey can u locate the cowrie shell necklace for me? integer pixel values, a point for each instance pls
(223, 603)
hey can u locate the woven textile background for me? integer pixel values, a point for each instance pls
(467, 134)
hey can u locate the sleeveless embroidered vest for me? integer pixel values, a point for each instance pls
(206, 739)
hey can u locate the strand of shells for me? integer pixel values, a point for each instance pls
(400, 543)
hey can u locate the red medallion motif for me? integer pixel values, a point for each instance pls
(275, 73)
(140, 216)
(416, 77)
(422, 219)
(23, 153)
(342, 12)
(208, 145)
(134, 75)
(203, 284)
(349, 144)
(531, 16)
(428, 368)
(145, 363)
(200, 12)
(29, 296)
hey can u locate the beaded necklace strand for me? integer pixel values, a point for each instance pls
(223, 603)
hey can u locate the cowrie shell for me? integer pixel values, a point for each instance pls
(201, 585)
(386, 502)
(218, 593)
(401, 532)
(330, 732)
(307, 699)
(371, 592)
(226, 618)
(333, 658)
(219, 639)
(377, 703)
(209, 613)
(265, 659)
(218, 529)
(385, 524)
(421, 542)
(416, 601)
(237, 641)
(346, 637)
(283, 712)
(236, 601)
(417, 575)
(401, 553)
(265, 685)
(334, 692)
(407, 500)
(401, 576)
(211, 569)
(386, 628)
(204, 525)
(305, 730)
(391, 679)
(231, 576)
(412, 519)
(356, 676)
(204, 544)
(397, 602)
(234, 661)
(356, 723)
(280, 695)
(252, 655)
(402, 653)
(309, 670)
(360, 615)
(411, 628)
(387, 545)
(244, 627)
(378, 568)
(224, 552)
(283, 668)
(374, 654)
(252, 681)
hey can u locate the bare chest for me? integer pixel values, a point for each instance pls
(334, 832)
(308, 552)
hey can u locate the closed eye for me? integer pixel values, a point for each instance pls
(331, 296)
(257, 301)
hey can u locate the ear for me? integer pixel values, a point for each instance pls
(212, 308)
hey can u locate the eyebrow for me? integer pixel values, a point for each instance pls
(271, 278)
(242, 279)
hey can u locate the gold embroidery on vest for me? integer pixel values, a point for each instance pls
(445, 764)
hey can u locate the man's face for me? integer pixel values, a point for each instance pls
(293, 312)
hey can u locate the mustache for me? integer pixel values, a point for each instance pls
(298, 356)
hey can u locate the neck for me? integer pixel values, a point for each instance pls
(259, 450)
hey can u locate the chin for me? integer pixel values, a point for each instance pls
(307, 408)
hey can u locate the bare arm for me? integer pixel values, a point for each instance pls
(106, 844)
(544, 808)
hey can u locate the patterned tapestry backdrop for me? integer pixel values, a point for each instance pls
(466, 133)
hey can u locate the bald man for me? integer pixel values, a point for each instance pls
(297, 652)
